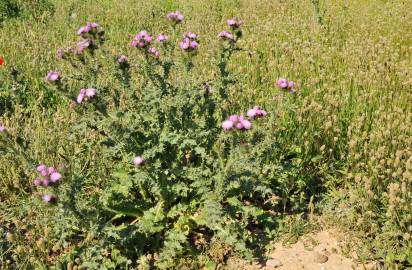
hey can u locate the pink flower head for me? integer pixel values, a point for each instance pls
(194, 45)
(2, 128)
(190, 35)
(41, 168)
(234, 23)
(237, 121)
(37, 182)
(90, 92)
(55, 177)
(51, 170)
(46, 182)
(185, 44)
(52, 76)
(142, 39)
(234, 118)
(226, 125)
(60, 53)
(291, 84)
(154, 52)
(84, 44)
(175, 17)
(84, 30)
(93, 25)
(225, 35)
(161, 38)
(246, 124)
(122, 59)
(137, 161)
(256, 112)
(47, 198)
(282, 83)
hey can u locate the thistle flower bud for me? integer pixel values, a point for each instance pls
(137, 161)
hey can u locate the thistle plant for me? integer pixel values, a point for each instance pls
(185, 165)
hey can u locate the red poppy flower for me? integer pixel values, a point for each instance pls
(1, 60)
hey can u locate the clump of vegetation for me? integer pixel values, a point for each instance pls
(182, 148)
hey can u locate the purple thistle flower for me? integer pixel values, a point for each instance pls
(46, 182)
(161, 38)
(239, 125)
(90, 92)
(194, 45)
(282, 83)
(234, 118)
(154, 52)
(137, 161)
(246, 124)
(237, 121)
(41, 168)
(185, 44)
(2, 128)
(175, 17)
(234, 23)
(256, 112)
(81, 95)
(122, 59)
(291, 84)
(60, 53)
(84, 30)
(55, 177)
(52, 76)
(37, 182)
(47, 198)
(226, 125)
(225, 35)
(51, 170)
(190, 35)
(83, 45)
(142, 39)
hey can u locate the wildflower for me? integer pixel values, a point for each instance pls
(239, 122)
(142, 39)
(189, 45)
(85, 93)
(51, 170)
(225, 35)
(175, 17)
(55, 177)
(153, 51)
(282, 83)
(190, 35)
(37, 182)
(41, 168)
(137, 161)
(161, 38)
(46, 182)
(60, 53)
(1, 60)
(52, 76)
(84, 44)
(122, 59)
(256, 112)
(286, 84)
(234, 23)
(90, 92)
(2, 128)
(90, 26)
(47, 198)
(226, 125)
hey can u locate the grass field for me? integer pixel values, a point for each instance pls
(339, 146)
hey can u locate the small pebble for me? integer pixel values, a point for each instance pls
(274, 263)
(320, 258)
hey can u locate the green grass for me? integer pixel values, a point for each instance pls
(352, 61)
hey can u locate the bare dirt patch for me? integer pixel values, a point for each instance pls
(314, 251)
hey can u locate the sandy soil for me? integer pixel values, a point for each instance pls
(316, 251)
